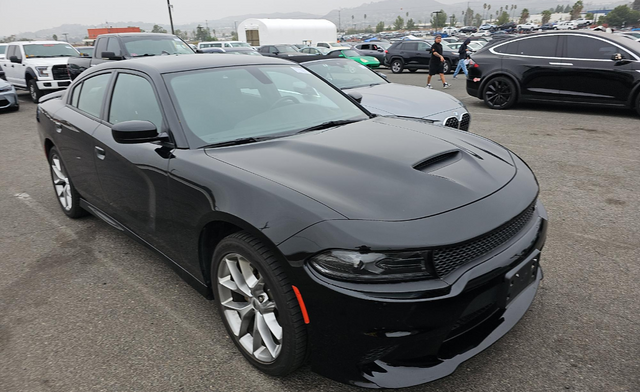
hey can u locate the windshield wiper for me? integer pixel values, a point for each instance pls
(144, 55)
(328, 124)
(235, 142)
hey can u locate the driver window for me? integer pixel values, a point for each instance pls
(134, 99)
(422, 46)
(114, 46)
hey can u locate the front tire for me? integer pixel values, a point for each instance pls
(67, 196)
(500, 93)
(257, 305)
(397, 66)
(34, 91)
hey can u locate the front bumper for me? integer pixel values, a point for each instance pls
(53, 84)
(8, 99)
(380, 339)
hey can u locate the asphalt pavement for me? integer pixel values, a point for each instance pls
(85, 308)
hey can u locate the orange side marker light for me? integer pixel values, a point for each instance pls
(303, 308)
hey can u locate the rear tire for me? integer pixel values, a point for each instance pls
(257, 305)
(68, 197)
(500, 93)
(34, 91)
(397, 66)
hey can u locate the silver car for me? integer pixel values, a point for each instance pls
(391, 99)
(8, 96)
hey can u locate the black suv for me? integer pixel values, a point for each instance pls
(468, 29)
(414, 55)
(578, 67)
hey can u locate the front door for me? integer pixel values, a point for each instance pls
(591, 75)
(134, 176)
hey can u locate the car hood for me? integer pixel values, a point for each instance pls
(50, 61)
(388, 99)
(380, 169)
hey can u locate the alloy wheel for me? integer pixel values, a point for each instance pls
(498, 93)
(249, 308)
(33, 93)
(396, 66)
(61, 184)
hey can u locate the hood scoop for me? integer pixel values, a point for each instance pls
(439, 161)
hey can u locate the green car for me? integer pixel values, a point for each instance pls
(368, 61)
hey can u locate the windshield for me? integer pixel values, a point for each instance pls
(345, 73)
(240, 45)
(350, 53)
(155, 46)
(50, 50)
(223, 104)
(286, 49)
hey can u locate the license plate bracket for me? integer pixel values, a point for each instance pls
(521, 277)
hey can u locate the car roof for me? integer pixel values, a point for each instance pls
(169, 64)
(137, 35)
(600, 34)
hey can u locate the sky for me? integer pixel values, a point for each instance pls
(44, 14)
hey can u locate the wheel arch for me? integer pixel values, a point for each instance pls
(215, 230)
(635, 91)
(30, 74)
(48, 145)
(492, 76)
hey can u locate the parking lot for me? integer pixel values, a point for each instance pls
(85, 308)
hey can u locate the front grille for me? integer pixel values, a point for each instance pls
(465, 121)
(60, 72)
(449, 258)
(3, 102)
(451, 122)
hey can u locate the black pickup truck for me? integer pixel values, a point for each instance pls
(113, 47)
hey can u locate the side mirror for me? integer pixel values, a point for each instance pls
(135, 131)
(617, 57)
(15, 59)
(380, 50)
(110, 56)
(355, 95)
(341, 55)
(199, 51)
(276, 53)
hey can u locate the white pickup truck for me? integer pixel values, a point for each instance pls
(38, 66)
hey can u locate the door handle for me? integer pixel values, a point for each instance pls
(100, 153)
(565, 64)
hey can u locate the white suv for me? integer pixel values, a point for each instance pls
(38, 66)
(570, 25)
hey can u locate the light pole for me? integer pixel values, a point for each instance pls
(65, 36)
(436, 19)
(170, 17)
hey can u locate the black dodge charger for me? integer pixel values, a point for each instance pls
(385, 251)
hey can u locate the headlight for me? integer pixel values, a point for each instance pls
(373, 267)
(5, 89)
(42, 72)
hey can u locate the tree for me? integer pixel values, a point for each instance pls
(484, 7)
(546, 16)
(158, 29)
(453, 21)
(636, 5)
(182, 34)
(234, 36)
(380, 27)
(411, 24)
(558, 9)
(524, 16)
(503, 18)
(621, 16)
(576, 9)
(567, 9)
(365, 17)
(202, 34)
(489, 11)
(589, 16)
(439, 20)
(468, 17)
(477, 20)
(55, 37)
(399, 23)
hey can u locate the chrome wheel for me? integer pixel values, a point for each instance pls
(249, 308)
(61, 184)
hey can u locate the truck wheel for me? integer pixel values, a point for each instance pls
(34, 91)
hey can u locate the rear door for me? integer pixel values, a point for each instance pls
(536, 62)
(590, 75)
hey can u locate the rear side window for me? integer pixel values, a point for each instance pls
(114, 46)
(508, 48)
(540, 46)
(410, 46)
(589, 48)
(92, 94)
(134, 99)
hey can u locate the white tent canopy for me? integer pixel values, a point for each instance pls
(286, 31)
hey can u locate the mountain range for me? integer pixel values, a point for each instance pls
(368, 14)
